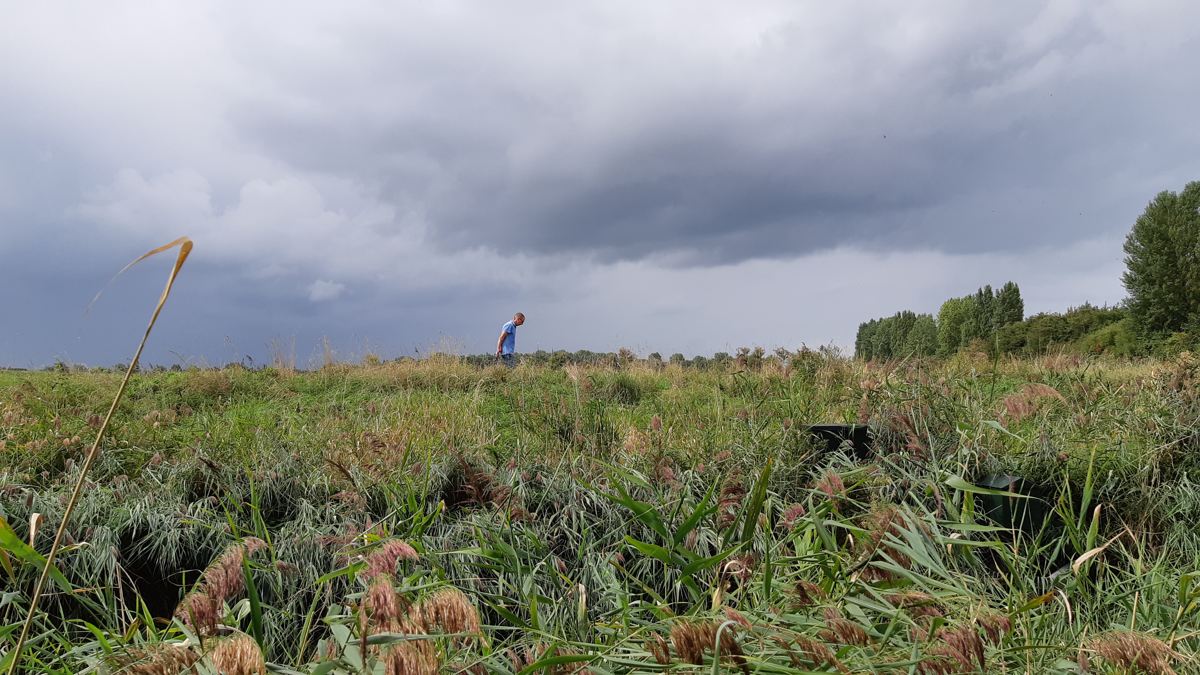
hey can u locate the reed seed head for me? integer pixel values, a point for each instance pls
(451, 611)
(384, 559)
(1131, 651)
(411, 657)
(841, 630)
(163, 658)
(238, 655)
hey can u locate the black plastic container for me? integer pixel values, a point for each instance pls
(831, 437)
(1029, 513)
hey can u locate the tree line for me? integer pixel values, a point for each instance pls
(1160, 315)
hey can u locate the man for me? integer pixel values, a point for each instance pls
(506, 346)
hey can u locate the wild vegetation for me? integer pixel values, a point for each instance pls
(1013, 515)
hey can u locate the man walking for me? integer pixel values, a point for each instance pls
(506, 346)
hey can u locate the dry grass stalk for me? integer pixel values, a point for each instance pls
(238, 655)
(185, 249)
(1129, 650)
(163, 658)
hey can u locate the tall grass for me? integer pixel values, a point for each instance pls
(617, 520)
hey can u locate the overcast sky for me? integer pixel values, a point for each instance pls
(667, 176)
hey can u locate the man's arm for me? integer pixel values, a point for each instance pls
(500, 342)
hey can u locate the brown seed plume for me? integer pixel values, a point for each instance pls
(962, 646)
(807, 594)
(411, 657)
(920, 606)
(238, 655)
(810, 654)
(160, 659)
(832, 486)
(729, 503)
(222, 580)
(841, 630)
(1129, 650)
(994, 625)
(451, 611)
(658, 647)
(691, 640)
(384, 559)
(382, 604)
(790, 516)
(1026, 402)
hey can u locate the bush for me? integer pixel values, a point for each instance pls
(622, 389)
(1115, 339)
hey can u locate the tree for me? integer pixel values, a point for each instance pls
(882, 340)
(980, 317)
(903, 322)
(864, 341)
(1162, 263)
(951, 317)
(1010, 308)
(922, 337)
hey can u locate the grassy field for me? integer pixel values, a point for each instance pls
(436, 516)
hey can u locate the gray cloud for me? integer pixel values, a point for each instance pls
(815, 127)
(397, 173)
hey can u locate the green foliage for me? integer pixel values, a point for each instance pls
(981, 315)
(1010, 308)
(1086, 329)
(1115, 339)
(1162, 260)
(922, 339)
(901, 335)
(951, 321)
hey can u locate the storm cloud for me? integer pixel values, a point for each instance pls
(400, 172)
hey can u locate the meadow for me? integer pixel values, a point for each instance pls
(1032, 515)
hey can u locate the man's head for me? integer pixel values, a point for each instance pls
(518, 319)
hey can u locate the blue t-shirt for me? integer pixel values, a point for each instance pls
(510, 338)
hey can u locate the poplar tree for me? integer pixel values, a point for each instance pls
(1162, 263)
